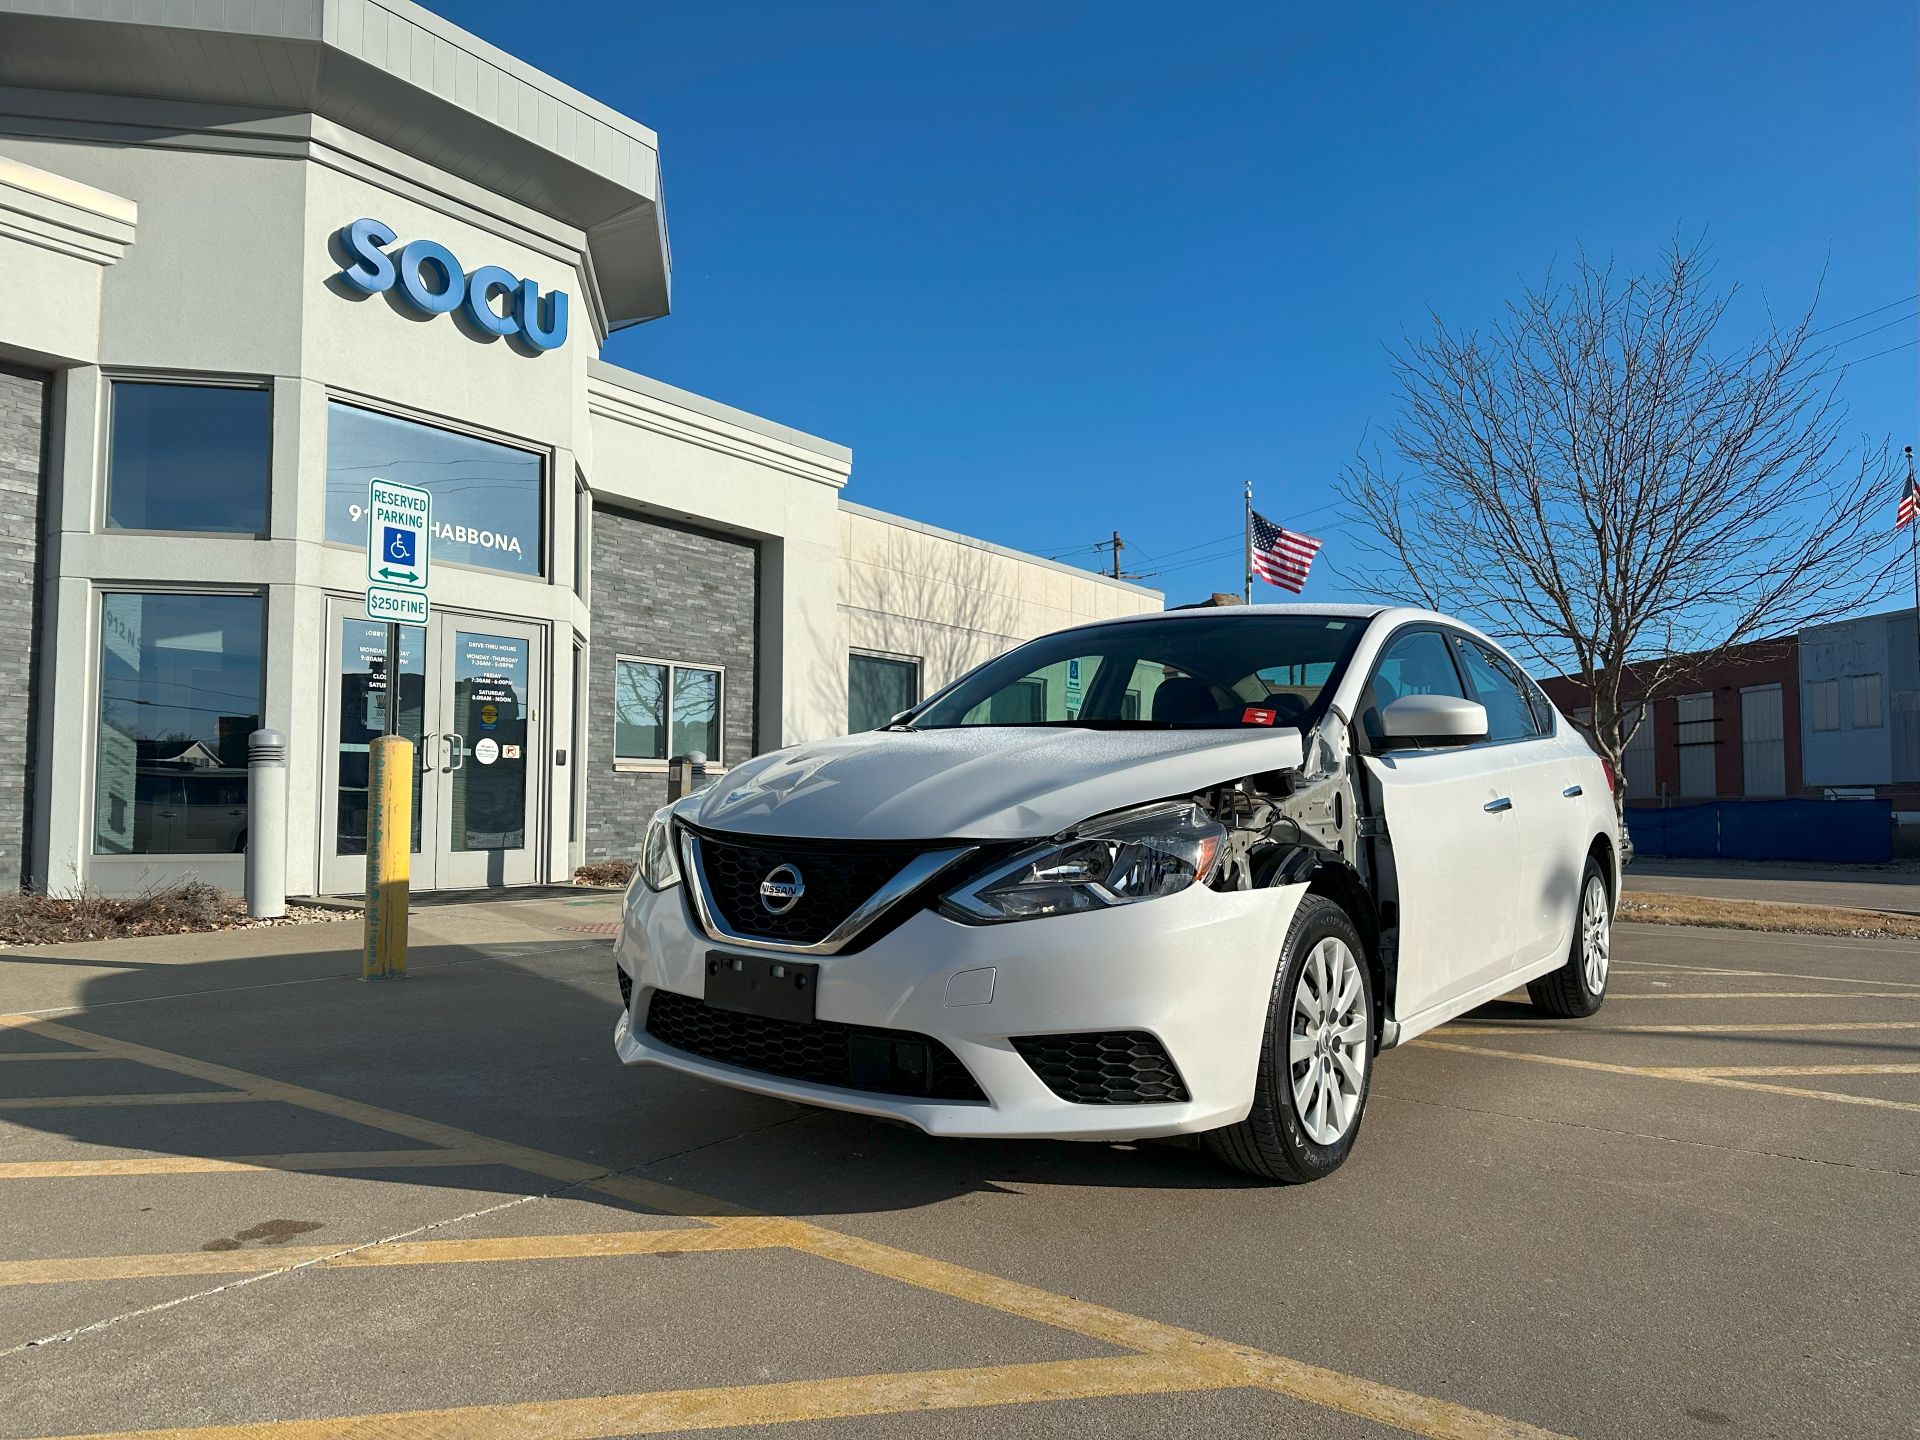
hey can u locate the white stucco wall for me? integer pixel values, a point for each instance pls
(952, 602)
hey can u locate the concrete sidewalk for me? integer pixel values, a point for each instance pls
(1894, 887)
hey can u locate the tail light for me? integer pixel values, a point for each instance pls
(1613, 781)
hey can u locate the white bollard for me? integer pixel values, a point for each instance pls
(266, 824)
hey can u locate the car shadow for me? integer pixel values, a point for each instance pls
(514, 1045)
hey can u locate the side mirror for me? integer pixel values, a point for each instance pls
(1415, 720)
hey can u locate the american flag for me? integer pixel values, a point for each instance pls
(1909, 504)
(1281, 557)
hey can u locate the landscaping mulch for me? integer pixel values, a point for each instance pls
(1662, 909)
(178, 909)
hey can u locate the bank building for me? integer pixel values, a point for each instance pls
(257, 255)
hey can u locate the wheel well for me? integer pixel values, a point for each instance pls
(1341, 885)
(1602, 850)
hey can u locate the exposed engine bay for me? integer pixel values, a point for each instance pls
(1313, 825)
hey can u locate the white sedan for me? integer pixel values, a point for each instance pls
(1172, 874)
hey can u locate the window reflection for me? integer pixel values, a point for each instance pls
(363, 715)
(180, 687)
(189, 457)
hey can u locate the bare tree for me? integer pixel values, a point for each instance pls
(1599, 480)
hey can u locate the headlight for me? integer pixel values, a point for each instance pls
(658, 867)
(1118, 860)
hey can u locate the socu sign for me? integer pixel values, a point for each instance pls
(428, 278)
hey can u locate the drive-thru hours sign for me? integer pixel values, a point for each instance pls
(399, 527)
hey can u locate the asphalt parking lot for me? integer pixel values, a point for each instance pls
(248, 1195)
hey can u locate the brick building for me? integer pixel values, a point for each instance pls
(1733, 731)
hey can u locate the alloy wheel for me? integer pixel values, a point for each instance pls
(1596, 936)
(1327, 1051)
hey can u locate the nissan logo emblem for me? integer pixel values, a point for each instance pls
(781, 890)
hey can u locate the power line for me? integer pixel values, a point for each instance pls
(1841, 324)
(1857, 359)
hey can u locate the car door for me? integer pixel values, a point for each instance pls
(1535, 776)
(1450, 837)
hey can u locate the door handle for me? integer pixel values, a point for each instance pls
(456, 750)
(426, 760)
(1494, 807)
(1572, 790)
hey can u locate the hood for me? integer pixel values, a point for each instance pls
(977, 782)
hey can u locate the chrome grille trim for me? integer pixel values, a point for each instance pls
(910, 877)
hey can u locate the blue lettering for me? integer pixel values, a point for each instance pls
(371, 271)
(482, 286)
(413, 262)
(542, 335)
(539, 321)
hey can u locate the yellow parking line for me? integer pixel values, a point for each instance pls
(48, 1054)
(1769, 1027)
(65, 1102)
(1614, 995)
(667, 1198)
(1802, 1069)
(490, 1250)
(1640, 967)
(785, 1403)
(1329, 1389)
(1176, 1360)
(317, 1161)
(1685, 1074)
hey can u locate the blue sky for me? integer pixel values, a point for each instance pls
(1054, 270)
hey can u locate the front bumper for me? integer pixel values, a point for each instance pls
(1195, 970)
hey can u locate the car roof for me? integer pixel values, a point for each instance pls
(1224, 612)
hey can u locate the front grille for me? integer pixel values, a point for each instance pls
(851, 1057)
(1117, 1067)
(838, 879)
(626, 988)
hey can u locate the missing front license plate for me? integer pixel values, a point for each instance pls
(754, 985)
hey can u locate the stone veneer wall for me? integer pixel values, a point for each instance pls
(23, 440)
(662, 592)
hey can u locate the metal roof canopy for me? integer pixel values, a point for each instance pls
(394, 72)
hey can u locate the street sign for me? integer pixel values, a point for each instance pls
(399, 528)
(396, 607)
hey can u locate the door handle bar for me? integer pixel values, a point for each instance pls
(1572, 790)
(456, 750)
(1494, 807)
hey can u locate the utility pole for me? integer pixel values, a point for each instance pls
(1118, 546)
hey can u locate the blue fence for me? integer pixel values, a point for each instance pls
(1850, 831)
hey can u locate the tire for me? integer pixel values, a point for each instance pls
(1578, 987)
(1302, 1125)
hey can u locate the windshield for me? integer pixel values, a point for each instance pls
(1185, 674)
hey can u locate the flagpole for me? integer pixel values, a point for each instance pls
(1913, 546)
(1246, 553)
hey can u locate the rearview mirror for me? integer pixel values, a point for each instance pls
(1433, 720)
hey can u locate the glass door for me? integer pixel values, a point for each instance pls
(487, 748)
(469, 700)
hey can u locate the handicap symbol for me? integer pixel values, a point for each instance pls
(400, 545)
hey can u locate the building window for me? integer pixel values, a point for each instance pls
(1693, 732)
(879, 687)
(487, 498)
(661, 709)
(1823, 705)
(189, 457)
(1866, 701)
(180, 691)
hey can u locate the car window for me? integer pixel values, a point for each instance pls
(1203, 672)
(1499, 686)
(1416, 663)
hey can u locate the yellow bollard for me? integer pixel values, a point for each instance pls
(389, 856)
